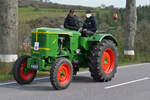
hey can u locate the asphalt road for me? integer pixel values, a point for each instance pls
(131, 82)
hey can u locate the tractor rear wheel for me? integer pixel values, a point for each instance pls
(103, 61)
(61, 73)
(21, 74)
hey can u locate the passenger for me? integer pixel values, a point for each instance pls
(89, 26)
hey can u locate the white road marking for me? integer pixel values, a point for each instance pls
(134, 81)
(41, 78)
(84, 72)
(8, 83)
(134, 65)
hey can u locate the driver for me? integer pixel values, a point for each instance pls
(71, 21)
(89, 26)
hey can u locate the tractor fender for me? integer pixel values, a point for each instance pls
(100, 37)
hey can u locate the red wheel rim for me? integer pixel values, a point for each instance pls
(25, 75)
(64, 74)
(108, 61)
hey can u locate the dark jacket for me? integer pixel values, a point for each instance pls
(72, 23)
(90, 24)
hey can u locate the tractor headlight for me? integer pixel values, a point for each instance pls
(78, 51)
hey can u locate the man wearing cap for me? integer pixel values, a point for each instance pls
(89, 26)
(71, 21)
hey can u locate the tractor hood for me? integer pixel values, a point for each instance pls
(45, 40)
(44, 30)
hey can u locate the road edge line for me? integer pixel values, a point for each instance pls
(126, 83)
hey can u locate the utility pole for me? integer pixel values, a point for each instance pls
(130, 28)
(8, 34)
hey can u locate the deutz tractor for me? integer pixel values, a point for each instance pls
(62, 52)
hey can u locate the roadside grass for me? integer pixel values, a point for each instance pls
(29, 13)
(122, 63)
(5, 77)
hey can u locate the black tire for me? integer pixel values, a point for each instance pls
(96, 63)
(54, 72)
(17, 74)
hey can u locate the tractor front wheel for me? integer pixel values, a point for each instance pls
(103, 61)
(61, 73)
(20, 72)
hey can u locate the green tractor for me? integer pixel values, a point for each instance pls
(62, 52)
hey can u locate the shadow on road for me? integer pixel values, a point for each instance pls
(31, 87)
(45, 85)
(82, 79)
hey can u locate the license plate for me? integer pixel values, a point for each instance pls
(34, 66)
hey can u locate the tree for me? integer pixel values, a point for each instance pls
(110, 7)
(130, 27)
(8, 34)
(103, 6)
(98, 18)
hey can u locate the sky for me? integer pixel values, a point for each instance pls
(96, 3)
